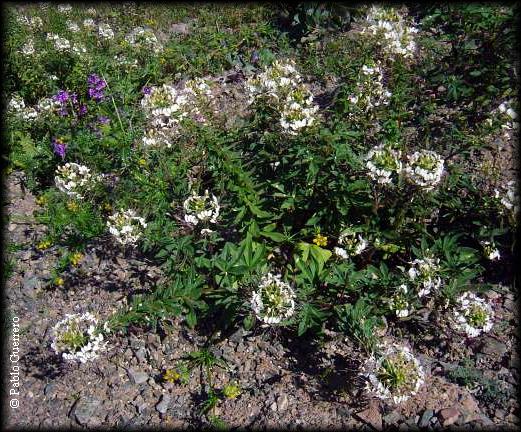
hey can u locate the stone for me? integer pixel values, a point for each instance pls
(162, 406)
(180, 28)
(137, 377)
(85, 409)
(371, 416)
(448, 416)
(282, 402)
(141, 354)
(492, 347)
(426, 418)
(392, 418)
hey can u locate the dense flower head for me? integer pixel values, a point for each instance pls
(350, 244)
(105, 31)
(424, 168)
(164, 100)
(126, 226)
(423, 273)
(399, 303)
(472, 315)
(394, 374)
(280, 85)
(274, 300)
(370, 91)
(28, 48)
(508, 196)
(73, 179)
(381, 162)
(275, 81)
(201, 208)
(16, 106)
(391, 31)
(77, 338)
(144, 37)
(59, 147)
(96, 86)
(490, 250)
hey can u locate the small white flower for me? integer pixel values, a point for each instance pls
(472, 315)
(394, 374)
(423, 273)
(73, 179)
(424, 168)
(201, 208)
(382, 162)
(76, 338)
(126, 226)
(274, 300)
(105, 31)
(491, 252)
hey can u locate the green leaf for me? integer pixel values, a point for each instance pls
(275, 236)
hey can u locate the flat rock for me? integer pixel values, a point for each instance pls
(371, 416)
(448, 416)
(162, 406)
(137, 377)
(492, 347)
(85, 409)
(426, 418)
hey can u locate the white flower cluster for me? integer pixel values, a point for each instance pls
(394, 374)
(201, 208)
(382, 162)
(73, 179)
(423, 273)
(398, 303)
(506, 109)
(89, 24)
(351, 244)
(472, 316)
(281, 86)
(274, 300)
(126, 227)
(424, 168)
(28, 48)
(166, 106)
(64, 8)
(144, 38)
(48, 105)
(64, 45)
(34, 22)
(391, 31)
(16, 106)
(77, 338)
(105, 31)
(371, 91)
(509, 197)
(72, 26)
(490, 250)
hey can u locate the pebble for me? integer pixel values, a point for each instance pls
(426, 418)
(492, 347)
(371, 416)
(137, 377)
(282, 402)
(448, 416)
(162, 406)
(85, 409)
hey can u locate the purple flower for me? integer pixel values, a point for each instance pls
(62, 96)
(82, 110)
(146, 90)
(59, 147)
(103, 119)
(63, 112)
(96, 87)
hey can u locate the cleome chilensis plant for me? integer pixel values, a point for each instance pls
(302, 208)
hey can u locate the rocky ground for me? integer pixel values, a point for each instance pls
(286, 384)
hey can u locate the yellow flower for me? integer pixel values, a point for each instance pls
(107, 206)
(72, 206)
(150, 22)
(171, 375)
(162, 60)
(231, 391)
(41, 200)
(142, 162)
(45, 244)
(58, 281)
(320, 240)
(76, 258)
